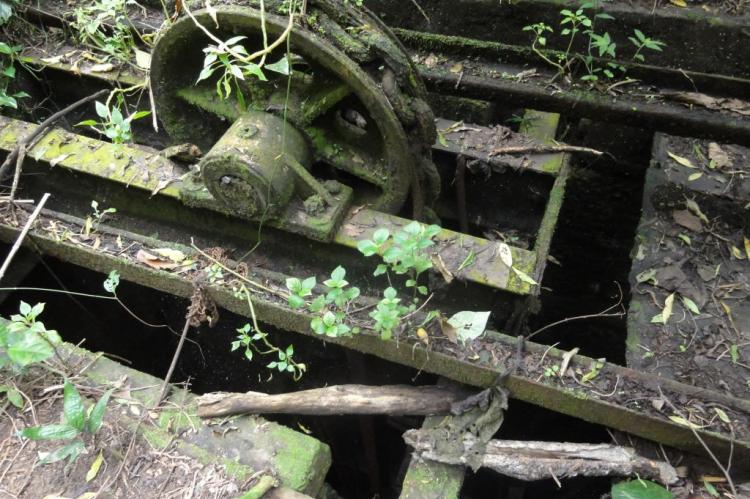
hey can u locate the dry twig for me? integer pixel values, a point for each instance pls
(19, 240)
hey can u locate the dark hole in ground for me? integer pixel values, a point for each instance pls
(369, 456)
(593, 241)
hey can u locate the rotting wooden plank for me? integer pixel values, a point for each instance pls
(585, 402)
(429, 479)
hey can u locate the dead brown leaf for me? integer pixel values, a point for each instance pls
(154, 261)
(431, 61)
(686, 219)
(718, 155)
(718, 103)
(449, 331)
(439, 264)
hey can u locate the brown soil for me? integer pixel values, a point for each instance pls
(705, 261)
(130, 468)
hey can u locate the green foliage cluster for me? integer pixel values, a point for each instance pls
(600, 60)
(330, 308)
(77, 423)
(252, 341)
(104, 25)
(403, 253)
(8, 56)
(25, 340)
(112, 123)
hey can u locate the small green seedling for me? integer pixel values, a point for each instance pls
(105, 25)
(25, 340)
(403, 253)
(388, 313)
(8, 56)
(77, 423)
(113, 124)
(551, 371)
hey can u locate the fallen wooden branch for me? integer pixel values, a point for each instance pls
(543, 149)
(544, 460)
(22, 235)
(395, 400)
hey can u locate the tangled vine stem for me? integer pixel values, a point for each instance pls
(243, 58)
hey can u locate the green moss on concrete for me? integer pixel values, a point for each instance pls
(298, 461)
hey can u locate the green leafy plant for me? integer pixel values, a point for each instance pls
(8, 56)
(600, 59)
(6, 10)
(388, 313)
(551, 371)
(299, 290)
(113, 124)
(254, 341)
(104, 25)
(25, 340)
(332, 307)
(641, 42)
(76, 423)
(403, 253)
(215, 274)
(92, 222)
(640, 489)
(232, 63)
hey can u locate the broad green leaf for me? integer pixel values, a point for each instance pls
(15, 398)
(469, 325)
(281, 66)
(49, 432)
(640, 489)
(101, 110)
(27, 348)
(97, 413)
(72, 450)
(73, 410)
(25, 308)
(367, 247)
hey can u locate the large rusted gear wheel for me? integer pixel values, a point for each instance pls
(354, 100)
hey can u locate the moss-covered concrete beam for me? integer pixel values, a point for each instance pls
(586, 401)
(469, 140)
(468, 257)
(275, 453)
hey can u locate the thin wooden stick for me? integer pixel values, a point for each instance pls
(175, 358)
(22, 235)
(26, 142)
(511, 150)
